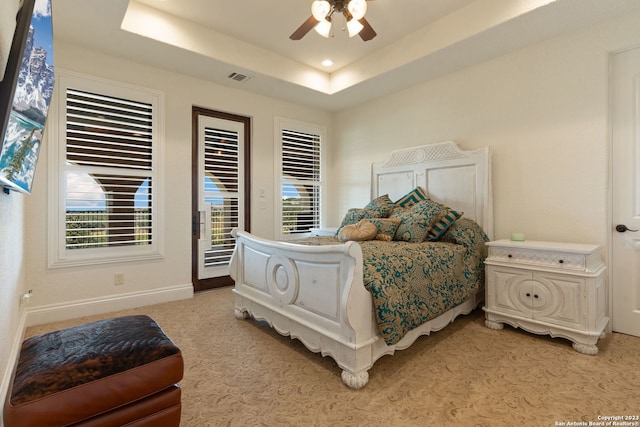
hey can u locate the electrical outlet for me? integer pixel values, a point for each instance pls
(26, 297)
(118, 278)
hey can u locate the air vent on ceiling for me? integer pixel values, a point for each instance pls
(239, 77)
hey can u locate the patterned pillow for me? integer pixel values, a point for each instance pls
(354, 215)
(384, 203)
(412, 197)
(361, 231)
(416, 221)
(442, 222)
(386, 227)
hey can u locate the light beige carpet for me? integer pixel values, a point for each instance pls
(241, 373)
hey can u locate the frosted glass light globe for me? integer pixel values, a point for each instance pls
(357, 8)
(320, 9)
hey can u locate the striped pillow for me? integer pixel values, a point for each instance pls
(442, 222)
(411, 198)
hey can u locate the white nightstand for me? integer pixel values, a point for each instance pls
(547, 288)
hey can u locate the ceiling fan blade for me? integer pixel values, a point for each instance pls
(304, 28)
(367, 33)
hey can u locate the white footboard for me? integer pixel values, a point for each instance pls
(312, 293)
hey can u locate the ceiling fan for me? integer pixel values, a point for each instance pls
(322, 12)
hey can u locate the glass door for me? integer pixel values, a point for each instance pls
(220, 189)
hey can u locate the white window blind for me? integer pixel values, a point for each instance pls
(107, 206)
(301, 182)
(222, 177)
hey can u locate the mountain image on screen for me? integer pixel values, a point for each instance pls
(33, 92)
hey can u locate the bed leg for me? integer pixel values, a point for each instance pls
(241, 314)
(355, 381)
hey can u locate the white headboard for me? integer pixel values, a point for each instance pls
(457, 178)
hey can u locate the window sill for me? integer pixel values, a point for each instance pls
(88, 261)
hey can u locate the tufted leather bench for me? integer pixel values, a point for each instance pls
(115, 372)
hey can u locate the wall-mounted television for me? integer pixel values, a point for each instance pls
(25, 95)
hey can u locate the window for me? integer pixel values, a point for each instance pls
(106, 167)
(300, 177)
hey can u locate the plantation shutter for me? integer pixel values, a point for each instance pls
(108, 176)
(300, 181)
(221, 192)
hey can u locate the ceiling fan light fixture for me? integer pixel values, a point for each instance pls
(323, 28)
(320, 9)
(354, 27)
(323, 10)
(357, 8)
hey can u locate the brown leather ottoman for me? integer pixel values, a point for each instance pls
(114, 372)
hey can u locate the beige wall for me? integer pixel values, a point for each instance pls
(63, 285)
(543, 110)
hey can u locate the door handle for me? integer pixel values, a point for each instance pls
(621, 228)
(202, 221)
(194, 225)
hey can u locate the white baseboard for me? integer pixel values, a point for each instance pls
(74, 309)
(13, 358)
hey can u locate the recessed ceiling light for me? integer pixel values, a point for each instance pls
(327, 63)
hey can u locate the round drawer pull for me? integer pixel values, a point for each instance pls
(510, 256)
(528, 294)
(561, 261)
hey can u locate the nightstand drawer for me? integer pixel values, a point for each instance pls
(539, 258)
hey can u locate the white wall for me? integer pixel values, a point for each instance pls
(543, 110)
(12, 281)
(63, 286)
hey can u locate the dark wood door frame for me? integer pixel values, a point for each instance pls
(215, 282)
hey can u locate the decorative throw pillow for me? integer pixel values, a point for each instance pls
(363, 230)
(412, 197)
(386, 227)
(354, 215)
(442, 222)
(416, 221)
(383, 203)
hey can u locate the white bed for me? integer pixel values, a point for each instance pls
(279, 282)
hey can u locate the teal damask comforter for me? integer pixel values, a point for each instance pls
(412, 283)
